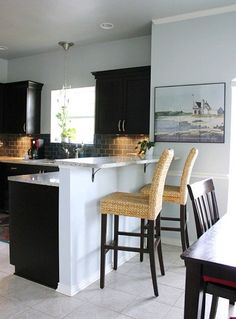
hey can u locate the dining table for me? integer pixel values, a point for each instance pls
(214, 255)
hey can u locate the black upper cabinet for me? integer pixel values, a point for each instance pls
(21, 107)
(109, 98)
(123, 101)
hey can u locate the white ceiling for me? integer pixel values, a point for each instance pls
(29, 27)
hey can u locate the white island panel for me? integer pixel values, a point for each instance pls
(79, 219)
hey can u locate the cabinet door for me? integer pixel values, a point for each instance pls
(33, 108)
(21, 107)
(14, 111)
(109, 106)
(137, 105)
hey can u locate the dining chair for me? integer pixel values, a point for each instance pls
(206, 214)
(178, 195)
(141, 206)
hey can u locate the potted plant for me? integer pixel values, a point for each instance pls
(67, 133)
(144, 146)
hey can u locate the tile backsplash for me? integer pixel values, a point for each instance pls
(14, 145)
(104, 145)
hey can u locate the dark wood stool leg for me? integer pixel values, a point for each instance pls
(103, 251)
(142, 238)
(214, 304)
(151, 249)
(186, 228)
(116, 229)
(182, 226)
(159, 248)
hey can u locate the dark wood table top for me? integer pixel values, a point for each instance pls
(217, 245)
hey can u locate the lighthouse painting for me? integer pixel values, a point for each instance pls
(190, 113)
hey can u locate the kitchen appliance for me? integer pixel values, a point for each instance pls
(37, 149)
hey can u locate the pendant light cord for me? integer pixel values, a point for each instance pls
(65, 46)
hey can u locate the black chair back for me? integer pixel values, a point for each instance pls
(204, 204)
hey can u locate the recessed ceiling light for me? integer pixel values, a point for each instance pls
(3, 48)
(107, 25)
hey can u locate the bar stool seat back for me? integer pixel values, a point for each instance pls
(143, 206)
(178, 195)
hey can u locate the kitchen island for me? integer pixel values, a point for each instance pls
(83, 182)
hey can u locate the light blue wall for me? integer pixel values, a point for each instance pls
(47, 68)
(192, 51)
(201, 50)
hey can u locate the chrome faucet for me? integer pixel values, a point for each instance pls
(79, 151)
(65, 148)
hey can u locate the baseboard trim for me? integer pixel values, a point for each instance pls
(73, 290)
(66, 290)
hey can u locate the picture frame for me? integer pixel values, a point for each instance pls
(193, 113)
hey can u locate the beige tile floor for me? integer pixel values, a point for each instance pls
(128, 294)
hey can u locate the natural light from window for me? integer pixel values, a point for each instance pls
(72, 115)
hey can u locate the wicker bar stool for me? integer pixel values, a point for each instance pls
(140, 206)
(178, 195)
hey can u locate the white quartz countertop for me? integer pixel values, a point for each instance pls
(107, 162)
(46, 179)
(20, 160)
(52, 179)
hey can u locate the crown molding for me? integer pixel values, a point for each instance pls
(194, 15)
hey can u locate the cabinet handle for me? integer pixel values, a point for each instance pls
(123, 125)
(13, 168)
(24, 127)
(119, 122)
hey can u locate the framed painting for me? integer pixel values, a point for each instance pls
(190, 113)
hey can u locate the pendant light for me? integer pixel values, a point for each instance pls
(66, 46)
(63, 99)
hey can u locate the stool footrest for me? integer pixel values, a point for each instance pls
(171, 229)
(124, 233)
(124, 248)
(174, 219)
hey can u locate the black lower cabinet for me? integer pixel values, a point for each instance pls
(9, 169)
(34, 232)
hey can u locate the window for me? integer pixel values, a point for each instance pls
(72, 115)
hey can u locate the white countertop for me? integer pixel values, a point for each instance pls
(52, 179)
(20, 160)
(107, 162)
(46, 179)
